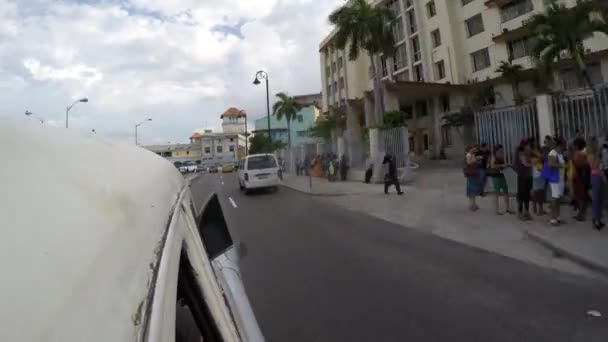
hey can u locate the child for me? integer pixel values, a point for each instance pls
(597, 180)
(538, 184)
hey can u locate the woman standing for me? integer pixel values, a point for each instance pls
(538, 181)
(471, 167)
(523, 167)
(553, 172)
(581, 180)
(497, 165)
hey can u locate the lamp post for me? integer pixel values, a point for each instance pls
(246, 136)
(28, 113)
(263, 75)
(67, 110)
(137, 126)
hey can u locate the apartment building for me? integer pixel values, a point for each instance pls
(444, 49)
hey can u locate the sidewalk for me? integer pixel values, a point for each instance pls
(436, 204)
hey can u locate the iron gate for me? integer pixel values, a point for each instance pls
(507, 126)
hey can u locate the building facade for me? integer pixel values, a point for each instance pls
(300, 127)
(445, 50)
(209, 148)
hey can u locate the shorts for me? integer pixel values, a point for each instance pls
(500, 184)
(557, 190)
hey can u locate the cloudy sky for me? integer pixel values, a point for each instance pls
(180, 62)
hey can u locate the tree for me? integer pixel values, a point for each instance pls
(561, 29)
(332, 123)
(259, 143)
(511, 72)
(362, 26)
(286, 107)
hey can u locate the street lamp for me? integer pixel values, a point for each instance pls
(137, 126)
(28, 113)
(246, 136)
(263, 75)
(67, 110)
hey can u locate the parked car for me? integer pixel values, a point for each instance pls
(213, 169)
(228, 168)
(258, 171)
(111, 253)
(201, 168)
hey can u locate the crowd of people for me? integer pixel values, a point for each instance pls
(554, 170)
(326, 165)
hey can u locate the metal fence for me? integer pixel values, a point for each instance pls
(586, 112)
(395, 141)
(507, 126)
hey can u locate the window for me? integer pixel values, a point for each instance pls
(571, 78)
(412, 144)
(403, 76)
(445, 103)
(327, 71)
(480, 59)
(436, 38)
(426, 142)
(333, 67)
(341, 83)
(220, 149)
(400, 57)
(520, 47)
(421, 109)
(231, 139)
(515, 9)
(329, 90)
(398, 32)
(335, 87)
(464, 2)
(411, 22)
(446, 136)
(440, 70)
(261, 162)
(340, 62)
(418, 75)
(300, 118)
(301, 134)
(207, 150)
(384, 66)
(231, 148)
(416, 55)
(431, 11)
(187, 152)
(474, 25)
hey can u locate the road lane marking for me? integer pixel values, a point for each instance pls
(233, 203)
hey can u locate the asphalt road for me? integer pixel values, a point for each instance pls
(315, 272)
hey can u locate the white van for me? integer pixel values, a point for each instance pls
(102, 242)
(258, 171)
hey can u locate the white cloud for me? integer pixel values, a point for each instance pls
(154, 58)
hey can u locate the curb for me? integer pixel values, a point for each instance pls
(317, 194)
(582, 261)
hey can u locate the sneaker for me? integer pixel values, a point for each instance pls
(400, 193)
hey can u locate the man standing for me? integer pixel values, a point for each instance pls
(391, 177)
(343, 167)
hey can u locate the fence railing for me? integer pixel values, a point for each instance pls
(395, 142)
(586, 112)
(507, 126)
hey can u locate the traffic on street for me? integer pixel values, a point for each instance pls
(322, 273)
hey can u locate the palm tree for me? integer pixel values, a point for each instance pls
(286, 107)
(561, 29)
(511, 72)
(361, 26)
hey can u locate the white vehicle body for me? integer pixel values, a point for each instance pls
(258, 171)
(95, 237)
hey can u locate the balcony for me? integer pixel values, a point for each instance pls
(498, 3)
